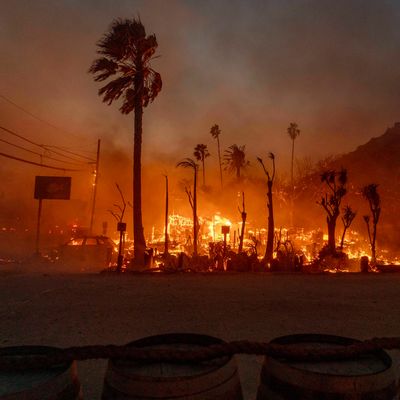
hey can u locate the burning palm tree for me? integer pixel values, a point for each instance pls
(190, 163)
(235, 159)
(126, 52)
(215, 132)
(201, 153)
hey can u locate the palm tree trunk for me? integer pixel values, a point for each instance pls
(269, 252)
(244, 216)
(195, 222)
(292, 186)
(204, 172)
(219, 158)
(139, 243)
(166, 218)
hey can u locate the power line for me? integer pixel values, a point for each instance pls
(70, 152)
(39, 165)
(48, 148)
(21, 137)
(36, 153)
(43, 146)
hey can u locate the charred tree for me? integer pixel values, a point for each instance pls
(243, 214)
(370, 193)
(271, 227)
(119, 216)
(347, 219)
(126, 53)
(335, 182)
(192, 197)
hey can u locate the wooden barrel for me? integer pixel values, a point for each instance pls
(214, 380)
(370, 377)
(56, 383)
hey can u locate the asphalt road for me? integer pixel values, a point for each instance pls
(67, 310)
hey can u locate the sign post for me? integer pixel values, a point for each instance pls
(50, 187)
(38, 227)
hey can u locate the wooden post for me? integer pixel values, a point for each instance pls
(96, 177)
(38, 227)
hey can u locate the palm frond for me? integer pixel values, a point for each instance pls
(104, 68)
(215, 131)
(114, 89)
(127, 52)
(187, 163)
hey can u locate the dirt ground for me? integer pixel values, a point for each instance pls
(65, 310)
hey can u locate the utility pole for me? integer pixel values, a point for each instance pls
(96, 177)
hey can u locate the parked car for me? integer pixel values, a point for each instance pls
(87, 253)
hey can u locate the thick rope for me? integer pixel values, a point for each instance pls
(206, 353)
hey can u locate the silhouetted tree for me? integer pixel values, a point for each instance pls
(243, 214)
(190, 163)
(201, 153)
(126, 52)
(271, 227)
(120, 218)
(293, 131)
(370, 193)
(166, 238)
(215, 132)
(336, 185)
(347, 219)
(235, 159)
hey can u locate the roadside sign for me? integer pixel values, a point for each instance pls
(52, 187)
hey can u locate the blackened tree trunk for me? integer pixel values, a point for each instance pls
(139, 243)
(195, 220)
(244, 217)
(269, 252)
(204, 171)
(331, 234)
(220, 162)
(373, 245)
(166, 239)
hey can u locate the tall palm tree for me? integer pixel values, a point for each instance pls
(235, 159)
(126, 52)
(215, 132)
(201, 153)
(293, 131)
(190, 163)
